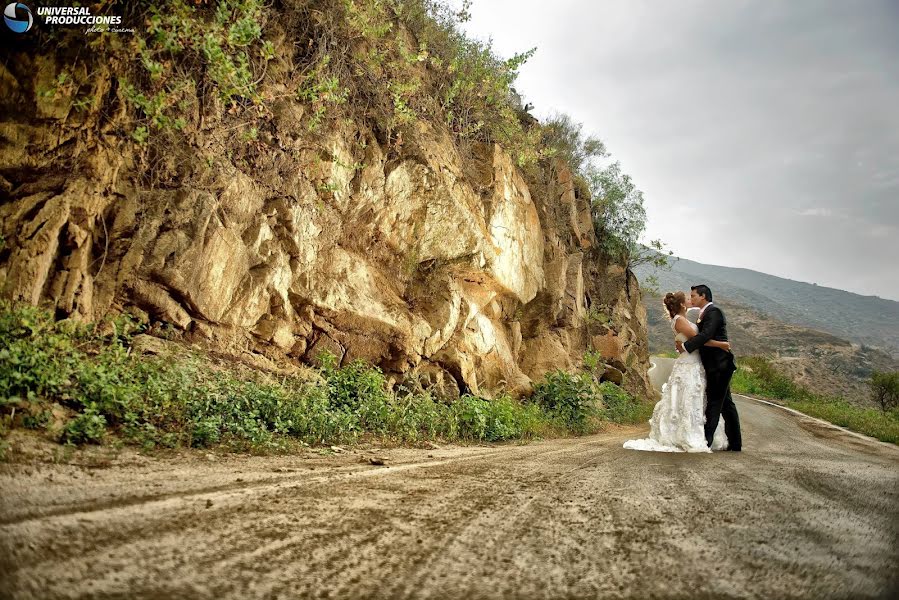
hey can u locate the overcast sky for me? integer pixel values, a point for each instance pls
(764, 134)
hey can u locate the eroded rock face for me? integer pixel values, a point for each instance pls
(463, 279)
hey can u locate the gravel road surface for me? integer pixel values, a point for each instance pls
(806, 511)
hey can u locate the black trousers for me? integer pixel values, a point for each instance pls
(721, 404)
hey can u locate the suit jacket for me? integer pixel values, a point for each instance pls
(712, 326)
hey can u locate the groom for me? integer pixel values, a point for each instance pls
(719, 367)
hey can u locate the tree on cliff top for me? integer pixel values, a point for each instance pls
(619, 216)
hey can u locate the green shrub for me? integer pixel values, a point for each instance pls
(501, 418)
(756, 375)
(88, 427)
(565, 138)
(413, 417)
(621, 407)
(359, 389)
(572, 397)
(471, 414)
(885, 389)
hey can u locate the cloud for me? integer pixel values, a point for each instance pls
(815, 212)
(777, 117)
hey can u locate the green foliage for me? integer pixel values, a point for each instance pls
(595, 315)
(39, 420)
(883, 425)
(181, 401)
(492, 420)
(621, 407)
(182, 36)
(758, 377)
(573, 397)
(89, 426)
(140, 134)
(619, 216)
(322, 91)
(566, 140)
(408, 60)
(653, 255)
(885, 389)
(360, 390)
(592, 361)
(581, 403)
(171, 401)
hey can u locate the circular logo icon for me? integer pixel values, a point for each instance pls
(18, 17)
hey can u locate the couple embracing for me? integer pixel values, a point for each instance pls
(696, 412)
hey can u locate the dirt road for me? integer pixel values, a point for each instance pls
(804, 512)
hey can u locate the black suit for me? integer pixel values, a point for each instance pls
(719, 368)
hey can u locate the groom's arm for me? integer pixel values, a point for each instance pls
(710, 324)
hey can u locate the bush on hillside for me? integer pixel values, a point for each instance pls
(885, 389)
(756, 375)
(581, 403)
(619, 216)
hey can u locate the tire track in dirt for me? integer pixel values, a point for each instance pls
(799, 514)
(86, 508)
(348, 566)
(116, 529)
(488, 531)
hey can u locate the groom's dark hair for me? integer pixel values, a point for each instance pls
(703, 290)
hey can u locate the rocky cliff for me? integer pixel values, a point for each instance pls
(450, 272)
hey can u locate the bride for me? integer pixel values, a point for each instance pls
(677, 423)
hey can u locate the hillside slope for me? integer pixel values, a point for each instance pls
(865, 320)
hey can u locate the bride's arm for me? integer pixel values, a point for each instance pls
(681, 327)
(717, 344)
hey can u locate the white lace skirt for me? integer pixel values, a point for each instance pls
(678, 420)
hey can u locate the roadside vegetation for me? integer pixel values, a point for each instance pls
(756, 376)
(78, 385)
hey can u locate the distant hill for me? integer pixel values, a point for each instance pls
(819, 360)
(828, 340)
(861, 319)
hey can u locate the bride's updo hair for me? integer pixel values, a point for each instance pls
(674, 302)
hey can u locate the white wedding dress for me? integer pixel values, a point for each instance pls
(678, 420)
